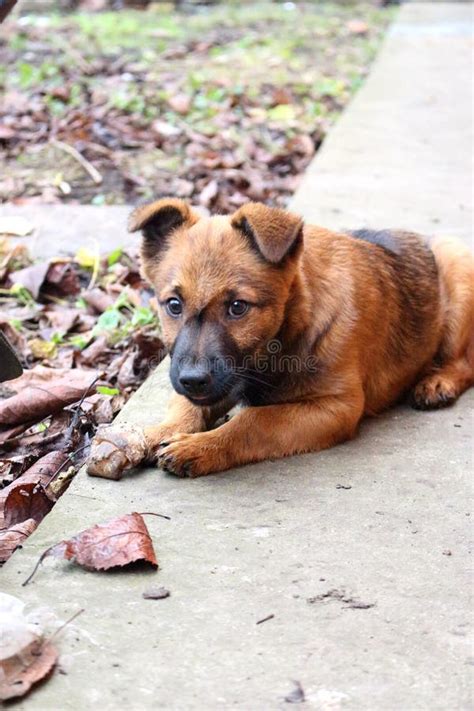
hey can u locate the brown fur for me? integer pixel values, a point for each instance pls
(377, 315)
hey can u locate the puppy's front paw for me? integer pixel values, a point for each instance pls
(190, 455)
(116, 449)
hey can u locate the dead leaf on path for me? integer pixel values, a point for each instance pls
(115, 450)
(25, 657)
(43, 391)
(26, 669)
(117, 543)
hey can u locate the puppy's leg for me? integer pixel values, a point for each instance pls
(183, 417)
(444, 384)
(268, 432)
(117, 448)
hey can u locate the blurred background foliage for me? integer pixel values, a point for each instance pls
(113, 101)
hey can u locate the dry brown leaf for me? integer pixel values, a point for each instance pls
(357, 27)
(26, 501)
(43, 391)
(40, 473)
(208, 193)
(115, 450)
(98, 299)
(62, 319)
(11, 432)
(113, 544)
(62, 279)
(181, 103)
(93, 353)
(31, 278)
(23, 670)
(127, 377)
(41, 349)
(11, 538)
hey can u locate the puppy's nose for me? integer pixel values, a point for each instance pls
(195, 382)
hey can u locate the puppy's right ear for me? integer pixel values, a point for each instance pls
(158, 220)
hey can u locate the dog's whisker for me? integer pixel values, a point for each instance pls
(250, 378)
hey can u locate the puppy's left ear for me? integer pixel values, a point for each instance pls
(275, 233)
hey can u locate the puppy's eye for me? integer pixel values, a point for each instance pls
(174, 307)
(238, 308)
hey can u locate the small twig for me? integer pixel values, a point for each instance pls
(75, 418)
(38, 563)
(265, 619)
(88, 167)
(68, 460)
(151, 513)
(65, 624)
(95, 268)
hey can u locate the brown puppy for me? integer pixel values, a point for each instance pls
(309, 329)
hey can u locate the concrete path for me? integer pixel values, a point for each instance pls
(382, 521)
(60, 230)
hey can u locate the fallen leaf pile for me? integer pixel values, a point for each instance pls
(221, 104)
(25, 502)
(87, 333)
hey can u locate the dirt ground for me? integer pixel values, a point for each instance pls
(222, 105)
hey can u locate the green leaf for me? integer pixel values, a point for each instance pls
(109, 320)
(104, 390)
(282, 112)
(79, 342)
(114, 256)
(81, 303)
(143, 316)
(16, 323)
(26, 74)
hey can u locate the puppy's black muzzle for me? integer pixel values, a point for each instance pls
(206, 377)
